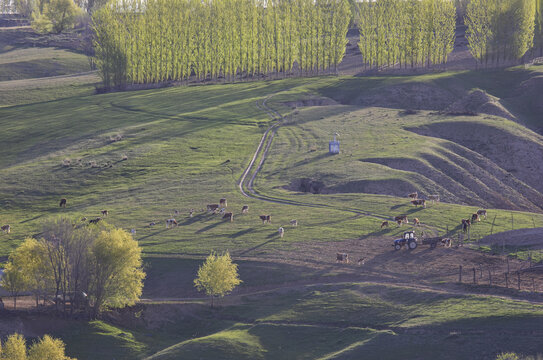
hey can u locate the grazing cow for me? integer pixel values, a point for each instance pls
(223, 203)
(414, 195)
(466, 223)
(342, 257)
(433, 198)
(245, 209)
(191, 212)
(95, 221)
(229, 215)
(447, 242)
(104, 212)
(281, 232)
(418, 202)
(384, 224)
(475, 217)
(481, 212)
(416, 221)
(212, 208)
(151, 224)
(170, 223)
(63, 202)
(6, 229)
(294, 222)
(265, 219)
(401, 219)
(83, 219)
(361, 261)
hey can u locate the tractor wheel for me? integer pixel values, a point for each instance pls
(397, 246)
(412, 245)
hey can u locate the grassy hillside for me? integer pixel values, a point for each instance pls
(144, 154)
(184, 151)
(360, 320)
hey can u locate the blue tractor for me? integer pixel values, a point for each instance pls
(409, 240)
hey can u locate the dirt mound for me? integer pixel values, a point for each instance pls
(307, 185)
(314, 101)
(416, 96)
(531, 238)
(477, 102)
(512, 157)
(393, 187)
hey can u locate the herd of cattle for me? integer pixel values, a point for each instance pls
(402, 219)
(220, 209)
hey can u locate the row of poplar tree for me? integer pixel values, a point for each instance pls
(406, 32)
(159, 40)
(149, 41)
(504, 30)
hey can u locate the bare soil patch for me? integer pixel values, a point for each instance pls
(529, 238)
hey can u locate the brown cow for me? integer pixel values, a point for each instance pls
(475, 217)
(294, 222)
(342, 257)
(416, 221)
(104, 212)
(466, 223)
(170, 223)
(212, 208)
(245, 209)
(419, 202)
(63, 202)
(481, 212)
(384, 224)
(223, 203)
(95, 221)
(447, 242)
(401, 219)
(414, 195)
(229, 215)
(265, 219)
(6, 229)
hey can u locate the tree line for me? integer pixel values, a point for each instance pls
(92, 268)
(159, 40)
(406, 32)
(46, 348)
(501, 31)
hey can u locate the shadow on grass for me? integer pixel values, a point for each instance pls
(240, 233)
(256, 247)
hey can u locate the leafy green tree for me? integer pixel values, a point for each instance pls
(48, 348)
(538, 39)
(117, 270)
(217, 276)
(14, 348)
(56, 16)
(13, 281)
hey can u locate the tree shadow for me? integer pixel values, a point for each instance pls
(240, 233)
(256, 247)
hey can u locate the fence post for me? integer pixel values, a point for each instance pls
(489, 277)
(506, 280)
(481, 271)
(507, 264)
(533, 285)
(518, 279)
(460, 274)
(474, 277)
